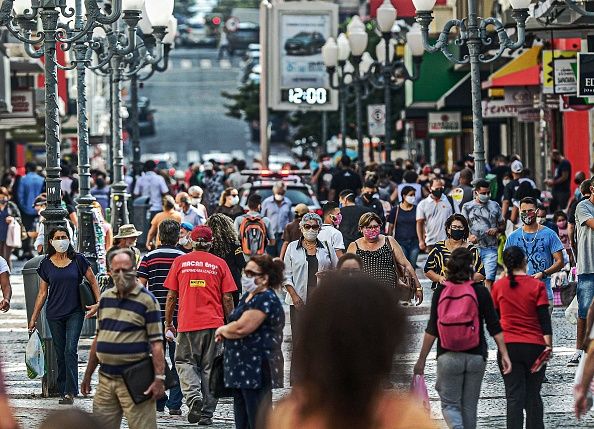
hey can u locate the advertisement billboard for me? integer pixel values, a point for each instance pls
(298, 79)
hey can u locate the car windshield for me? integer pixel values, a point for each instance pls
(296, 195)
(302, 35)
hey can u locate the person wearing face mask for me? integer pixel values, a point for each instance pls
(292, 231)
(330, 232)
(486, 223)
(369, 200)
(322, 177)
(213, 186)
(457, 232)
(255, 334)
(196, 193)
(541, 218)
(151, 185)
(61, 272)
(129, 330)
(9, 213)
(125, 239)
(304, 259)
(168, 212)
(351, 213)
(190, 214)
(402, 224)
(184, 243)
(277, 208)
(229, 204)
(383, 259)
(432, 212)
(541, 245)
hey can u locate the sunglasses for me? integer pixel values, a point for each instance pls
(312, 227)
(250, 273)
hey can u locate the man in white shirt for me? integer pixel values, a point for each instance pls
(432, 212)
(329, 232)
(151, 185)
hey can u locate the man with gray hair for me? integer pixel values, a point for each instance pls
(204, 285)
(196, 193)
(277, 208)
(128, 331)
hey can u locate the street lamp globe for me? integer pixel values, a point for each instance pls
(355, 24)
(99, 32)
(169, 38)
(414, 40)
(129, 5)
(380, 51)
(348, 73)
(358, 41)
(330, 53)
(21, 6)
(520, 4)
(145, 24)
(424, 5)
(386, 15)
(159, 11)
(344, 48)
(366, 63)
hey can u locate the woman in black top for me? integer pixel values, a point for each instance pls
(402, 224)
(460, 374)
(229, 204)
(225, 245)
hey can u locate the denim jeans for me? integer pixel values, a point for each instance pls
(411, 250)
(585, 294)
(65, 334)
(250, 406)
(278, 245)
(489, 257)
(173, 401)
(459, 379)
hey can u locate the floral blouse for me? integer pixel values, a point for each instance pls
(244, 357)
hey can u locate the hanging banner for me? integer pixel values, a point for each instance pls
(585, 71)
(558, 74)
(376, 119)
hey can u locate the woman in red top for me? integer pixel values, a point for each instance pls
(523, 306)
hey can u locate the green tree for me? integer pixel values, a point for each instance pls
(226, 6)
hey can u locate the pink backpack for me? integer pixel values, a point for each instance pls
(458, 317)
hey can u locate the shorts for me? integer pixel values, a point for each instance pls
(489, 258)
(585, 294)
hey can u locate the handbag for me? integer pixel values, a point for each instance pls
(13, 235)
(405, 284)
(84, 289)
(217, 379)
(139, 376)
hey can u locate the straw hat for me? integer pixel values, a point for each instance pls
(127, 231)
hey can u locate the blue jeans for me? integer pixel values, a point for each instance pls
(65, 334)
(585, 294)
(278, 245)
(251, 405)
(411, 250)
(489, 257)
(174, 400)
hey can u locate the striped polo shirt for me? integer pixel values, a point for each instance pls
(154, 267)
(125, 327)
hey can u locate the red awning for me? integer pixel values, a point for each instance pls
(521, 71)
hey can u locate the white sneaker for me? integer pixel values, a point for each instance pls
(575, 359)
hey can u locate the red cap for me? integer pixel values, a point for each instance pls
(201, 233)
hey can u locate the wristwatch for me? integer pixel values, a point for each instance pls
(160, 377)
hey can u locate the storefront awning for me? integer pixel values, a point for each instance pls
(521, 71)
(457, 97)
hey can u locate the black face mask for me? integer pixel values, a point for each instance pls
(367, 196)
(437, 193)
(457, 234)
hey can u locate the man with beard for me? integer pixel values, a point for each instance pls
(128, 331)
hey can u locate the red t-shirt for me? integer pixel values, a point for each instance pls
(517, 308)
(201, 279)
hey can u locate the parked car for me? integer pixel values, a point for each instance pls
(146, 117)
(247, 33)
(196, 34)
(305, 43)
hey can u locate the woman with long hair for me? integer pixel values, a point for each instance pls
(348, 392)
(523, 306)
(460, 370)
(9, 213)
(253, 339)
(225, 245)
(229, 204)
(61, 273)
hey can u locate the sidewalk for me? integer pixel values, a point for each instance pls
(30, 408)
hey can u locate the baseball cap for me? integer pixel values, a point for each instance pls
(201, 233)
(301, 209)
(517, 167)
(187, 226)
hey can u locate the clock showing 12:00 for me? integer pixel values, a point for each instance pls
(306, 96)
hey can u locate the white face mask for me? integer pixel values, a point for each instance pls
(410, 199)
(541, 220)
(248, 284)
(235, 200)
(310, 235)
(505, 182)
(184, 241)
(61, 246)
(279, 197)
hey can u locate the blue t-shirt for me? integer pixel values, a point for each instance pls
(63, 294)
(539, 248)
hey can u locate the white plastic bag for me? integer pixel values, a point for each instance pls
(571, 312)
(35, 357)
(13, 235)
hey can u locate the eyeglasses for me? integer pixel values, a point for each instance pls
(307, 227)
(372, 227)
(251, 274)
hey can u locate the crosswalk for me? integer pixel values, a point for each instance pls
(203, 64)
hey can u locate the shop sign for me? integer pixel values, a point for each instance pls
(558, 74)
(23, 104)
(585, 70)
(376, 119)
(529, 115)
(443, 123)
(519, 96)
(499, 109)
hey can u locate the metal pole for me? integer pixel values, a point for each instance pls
(109, 162)
(342, 102)
(474, 45)
(137, 166)
(119, 196)
(86, 229)
(359, 108)
(388, 99)
(325, 131)
(264, 143)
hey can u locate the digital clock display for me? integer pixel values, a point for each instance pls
(306, 96)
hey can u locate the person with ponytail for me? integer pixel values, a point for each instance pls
(523, 306)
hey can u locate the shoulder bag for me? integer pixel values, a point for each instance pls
(139, 376)
(84, 288)
(405, 284)
(217, 379)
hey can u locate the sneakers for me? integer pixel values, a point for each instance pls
(575, 359)
(195, 411)
(66, 400)
(175, 412)
(205, 421)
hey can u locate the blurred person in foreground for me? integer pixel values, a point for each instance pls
(582, 391)
(69, 419)
(7, 420)
(348, 393)
(350, 263)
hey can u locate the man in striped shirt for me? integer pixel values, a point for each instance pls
(128, 329)
(152, 273)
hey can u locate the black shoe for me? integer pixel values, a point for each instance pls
(160, 410)
(195, 410)
(205, 421)
(175, 412)
(66, 400)
(546, 380)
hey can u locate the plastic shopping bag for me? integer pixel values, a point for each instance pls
(571, 312)
(35, 357)
(13, 235)
(418, 388)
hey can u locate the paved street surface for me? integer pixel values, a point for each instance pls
(30, 407)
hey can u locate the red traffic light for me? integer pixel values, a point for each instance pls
(216, 20)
